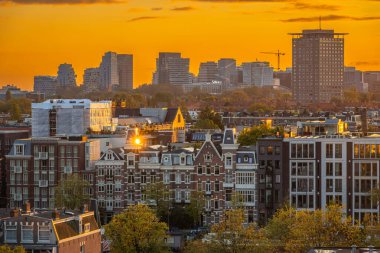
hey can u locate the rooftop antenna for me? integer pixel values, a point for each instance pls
(320, 22)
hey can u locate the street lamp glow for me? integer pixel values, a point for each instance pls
(137, 141)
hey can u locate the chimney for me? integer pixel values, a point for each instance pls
(84, 208)
(14, 212)
(27, 207)
(55, 214)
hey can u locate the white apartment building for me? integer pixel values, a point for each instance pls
(70, 117)
(257, 74)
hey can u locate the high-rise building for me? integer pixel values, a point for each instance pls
(70, 117)
(125, 70)
(46, 85)
(373, 80)
(66, 75)
(109, 76)
(91, 79)
(257, 74)
(171, 68)
(208, 72)
(318, 65)
(353, 78)
(227, 71)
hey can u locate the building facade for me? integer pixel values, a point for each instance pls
(125, 71)
(91, 79)
(171, 68)
(46, 85)
(208, 72)
(66, 76)
(318, 65)
(257, 74)
(70, 117)
(109, 75)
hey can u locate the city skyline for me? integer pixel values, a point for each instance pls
(79, 34)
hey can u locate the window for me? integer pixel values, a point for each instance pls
(216, 170)
(208, 186)
(207, 158)
(143, 178)
(262, 150)
(216, 204)
(270, 150)
(27, 233)
(43, 233)
(208, 169)
(11, 233)
(199, 170)
(187, 179)
(19, 149)
(329, 150)
(117, 186)
(131, 162)
(277, 150)
(177, 178)
(228, 161)
(216, 186)
(166, 178)
(338, 150)
(131, 179)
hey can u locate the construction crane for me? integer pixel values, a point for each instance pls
(279, 54)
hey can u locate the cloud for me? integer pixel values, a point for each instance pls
(156, 9)
(330, 18)
(185, 8)
(307, 6)
(58, 1)
(142, 18)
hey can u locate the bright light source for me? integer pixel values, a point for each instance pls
(137, 141)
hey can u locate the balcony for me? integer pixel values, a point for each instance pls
(109, 208)
(43, 183)
(43, 155)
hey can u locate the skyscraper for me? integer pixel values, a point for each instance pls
(109, 76)
(125, 70)
(318, 65)
(66, 76)
(227, 71)
(171, 68)
(91, 79)
(257, 73)
(208, 72)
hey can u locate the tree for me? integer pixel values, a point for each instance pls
(157, 196)
(70, 192)
(250, 136)
(209, 118)
(137, 230)
(232, 236)
(298, 231)
(15, 112)
(7, 249)
(195, 208)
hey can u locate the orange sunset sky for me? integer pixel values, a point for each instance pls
(37, 35)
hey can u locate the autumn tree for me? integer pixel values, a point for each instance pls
(209, 119)
(298, 231)
(7, 249)
(70, 192)
(137, 230)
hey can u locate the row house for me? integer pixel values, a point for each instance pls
(51, 231)
(36, 166)
(334, 169)
(270, 175)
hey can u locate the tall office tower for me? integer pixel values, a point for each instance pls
(171, 68)
(353, 78)
(125, 70)
(257, 73)
(208, 72)
(109, 76)
(227, 71)
(91, 79)
(66, 75)
(46, 85)
(318, 64)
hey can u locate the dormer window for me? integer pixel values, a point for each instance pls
(245, 158)
(87, 227)
(183, 160)
(109, 156)
(19, 149)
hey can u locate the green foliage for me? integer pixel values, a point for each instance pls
(209, 119)
(157, 196)
(195, 208)
(7, 249)
(250, 136)
(137, 230)
(16, 107)
(70, 192)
